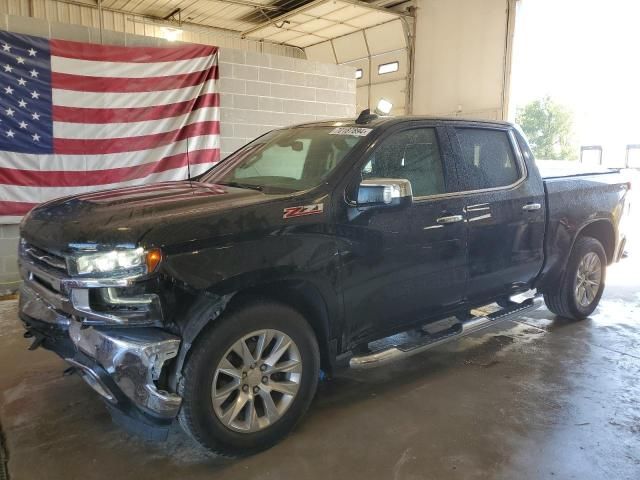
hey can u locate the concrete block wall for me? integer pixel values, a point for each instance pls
(261, 92)
(8, 262)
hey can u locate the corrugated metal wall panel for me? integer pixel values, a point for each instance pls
(115, 23)
(15, 7)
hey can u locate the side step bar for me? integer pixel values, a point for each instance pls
(462, 329)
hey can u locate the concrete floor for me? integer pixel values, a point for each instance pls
(534, 398)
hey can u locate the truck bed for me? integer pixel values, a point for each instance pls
(562, 168)
(576, 199)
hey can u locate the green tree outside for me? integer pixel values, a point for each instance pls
(548, 126)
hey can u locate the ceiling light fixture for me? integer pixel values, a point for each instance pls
(384, 107)
(171, 34)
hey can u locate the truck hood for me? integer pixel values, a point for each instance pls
(126, 216)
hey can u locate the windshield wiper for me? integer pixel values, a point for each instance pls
(243, 185)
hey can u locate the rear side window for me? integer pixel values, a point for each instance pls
(413, 155)
(487, 159)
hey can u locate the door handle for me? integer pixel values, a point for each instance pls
(450, 219)
(531, 207)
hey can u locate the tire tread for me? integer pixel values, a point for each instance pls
(198, 354)
(560, 302)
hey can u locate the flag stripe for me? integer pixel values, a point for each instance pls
(15, 208)
(131, 144)
(91, 51)
(53, 162)
(108, 115)
(70, 178)
(29, 194)
(69, 98)
(65, 81)
(94, 131)
(129, 70)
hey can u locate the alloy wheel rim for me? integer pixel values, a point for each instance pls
(589, 278)
(256, 380)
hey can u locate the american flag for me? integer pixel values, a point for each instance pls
(77, 117)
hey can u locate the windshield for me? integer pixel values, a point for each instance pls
(287, 160)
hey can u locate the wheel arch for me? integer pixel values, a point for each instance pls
(301, 295)
(603, 231)
(304, 297)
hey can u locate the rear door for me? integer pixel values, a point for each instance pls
(505, 211)
(403, 265)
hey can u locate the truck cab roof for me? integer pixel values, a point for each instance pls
(389, 121)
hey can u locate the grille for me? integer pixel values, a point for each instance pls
(45, 258)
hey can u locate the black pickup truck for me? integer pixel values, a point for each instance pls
(222, 300)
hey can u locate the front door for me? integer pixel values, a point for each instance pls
(404, 264)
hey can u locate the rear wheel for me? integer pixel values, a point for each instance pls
(582, 285)
(249, 379)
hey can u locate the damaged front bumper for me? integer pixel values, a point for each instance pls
(123, 365)
(133, 358)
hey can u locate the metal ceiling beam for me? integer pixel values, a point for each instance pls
(94, 5)
(314, 4)
(158, 20)
(389, 3)
(255, 5)
(172, 14)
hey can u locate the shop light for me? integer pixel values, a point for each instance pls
(384, 107)
(171, 34)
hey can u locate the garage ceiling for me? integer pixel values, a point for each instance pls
(235, 15)
(291, 22)
(319, 21)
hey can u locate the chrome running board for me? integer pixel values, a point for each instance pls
(461, 329)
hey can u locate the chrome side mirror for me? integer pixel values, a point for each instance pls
(384, 192)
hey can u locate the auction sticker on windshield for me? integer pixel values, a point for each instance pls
(353, 131)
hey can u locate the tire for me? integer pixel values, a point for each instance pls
(244, 436)
(565, 302)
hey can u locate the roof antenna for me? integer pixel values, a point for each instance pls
(365, 117)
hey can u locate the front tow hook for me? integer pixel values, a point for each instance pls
(37, 339)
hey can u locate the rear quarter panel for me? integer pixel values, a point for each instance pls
(573, 203)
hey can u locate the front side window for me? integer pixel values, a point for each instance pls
(487, 159)
(412, 155)
(288, 160)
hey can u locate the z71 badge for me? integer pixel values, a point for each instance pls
(304, 210)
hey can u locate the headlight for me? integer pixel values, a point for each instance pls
(136, 261)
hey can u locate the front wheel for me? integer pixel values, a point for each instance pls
(249, 379)
(582, 285)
